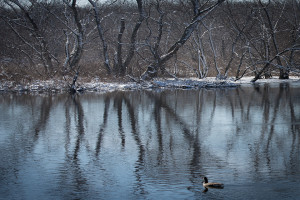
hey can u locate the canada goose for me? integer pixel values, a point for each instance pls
(206, 184)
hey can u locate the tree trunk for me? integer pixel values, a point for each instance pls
(118, 68)
(283, 72)
(73, 58)
(268, 63)
(152, 69)
(133, 37)
(100, 32)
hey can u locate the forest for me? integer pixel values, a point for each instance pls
(144, 39)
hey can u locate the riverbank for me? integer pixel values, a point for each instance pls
(96, 85)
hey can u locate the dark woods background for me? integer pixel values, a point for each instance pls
(44, 39)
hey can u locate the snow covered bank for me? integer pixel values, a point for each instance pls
(98, 86)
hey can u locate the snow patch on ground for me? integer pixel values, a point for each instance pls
(97, 85)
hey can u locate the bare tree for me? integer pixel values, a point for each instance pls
(23, 20)
(101, 35)
(199, 14)
(272, 30)
(212, 46)
(198, 45)
(145, 38)
(72, 58)
(134, 36)
(120, 67)
(239, 32)
(153, 40)
(293, 21)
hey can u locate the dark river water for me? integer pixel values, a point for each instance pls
(152, 144)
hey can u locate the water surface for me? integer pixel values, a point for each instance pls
(152, 144)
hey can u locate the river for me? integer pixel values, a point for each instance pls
(152, 144)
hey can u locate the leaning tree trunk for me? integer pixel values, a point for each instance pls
(152, 69)
(269, 62)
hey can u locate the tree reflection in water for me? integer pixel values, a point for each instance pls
(141, 144)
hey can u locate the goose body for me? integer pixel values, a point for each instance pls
(206, 184)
